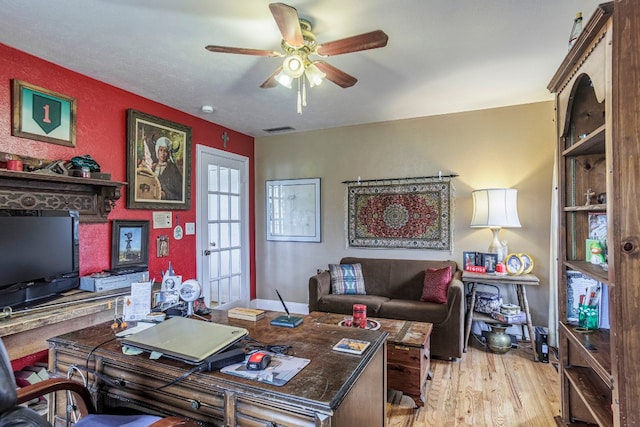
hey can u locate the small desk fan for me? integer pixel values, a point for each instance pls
(189, 292)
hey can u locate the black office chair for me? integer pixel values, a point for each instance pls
(14, 415)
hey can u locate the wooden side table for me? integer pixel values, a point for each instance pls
(519, 282)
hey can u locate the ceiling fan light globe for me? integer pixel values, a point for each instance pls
(284, 79)
(314, 75)
(293, 66)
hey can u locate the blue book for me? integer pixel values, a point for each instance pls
(286, 321)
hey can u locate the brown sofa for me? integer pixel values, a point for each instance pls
(394, 288)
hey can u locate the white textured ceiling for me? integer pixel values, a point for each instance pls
(443, 56)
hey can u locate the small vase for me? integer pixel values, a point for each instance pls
(497, 340)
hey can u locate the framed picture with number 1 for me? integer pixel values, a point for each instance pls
(43, 115)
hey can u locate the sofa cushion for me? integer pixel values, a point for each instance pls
(414, 310)
(436, 284)
(347, 279)
(344, 303)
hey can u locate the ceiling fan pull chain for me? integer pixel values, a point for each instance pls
(299, 98)
(304, 91)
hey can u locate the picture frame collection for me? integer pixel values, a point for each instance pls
(479, 262)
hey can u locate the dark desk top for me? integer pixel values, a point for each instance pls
(324, 382)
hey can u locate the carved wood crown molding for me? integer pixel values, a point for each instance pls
(92, 198)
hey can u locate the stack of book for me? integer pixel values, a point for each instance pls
(519, 317)
(245, 313)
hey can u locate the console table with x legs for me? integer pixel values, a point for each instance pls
(519, 282)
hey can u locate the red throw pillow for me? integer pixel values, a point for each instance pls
(436, 285)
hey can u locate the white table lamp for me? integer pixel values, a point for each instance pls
(495, 208)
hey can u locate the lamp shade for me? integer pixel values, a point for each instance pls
(495, 208)
(284, 79)
(314, 75)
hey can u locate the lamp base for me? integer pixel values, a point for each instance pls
(496, 247)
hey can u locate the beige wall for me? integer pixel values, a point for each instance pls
(503, 147)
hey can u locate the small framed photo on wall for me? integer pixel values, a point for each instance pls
(130, 245)
(162, 246)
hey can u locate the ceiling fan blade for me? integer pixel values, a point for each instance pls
(371, 40)
(242, 51)
(288, 22)
(271, 81)
(335, 75)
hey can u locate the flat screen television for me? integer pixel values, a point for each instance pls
(39, 254)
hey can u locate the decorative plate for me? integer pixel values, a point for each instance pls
(527, 263)
(514, 263)
(373, 325)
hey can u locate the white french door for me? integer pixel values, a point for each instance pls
(222, 227)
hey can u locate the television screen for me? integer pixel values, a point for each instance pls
(38, 246)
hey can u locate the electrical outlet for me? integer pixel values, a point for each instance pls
(190, 228)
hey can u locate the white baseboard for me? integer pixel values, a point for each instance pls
(276, 305)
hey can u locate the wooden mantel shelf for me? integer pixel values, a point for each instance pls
(92, 198)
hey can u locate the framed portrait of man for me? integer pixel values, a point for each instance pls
(158, 163)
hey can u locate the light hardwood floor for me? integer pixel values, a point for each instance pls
(484, 389)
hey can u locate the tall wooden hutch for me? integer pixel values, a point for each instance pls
(597, 90)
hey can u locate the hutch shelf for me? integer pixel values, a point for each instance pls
(597, 91)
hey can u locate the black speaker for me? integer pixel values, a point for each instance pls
(542, 344)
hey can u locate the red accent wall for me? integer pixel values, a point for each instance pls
(101, 132)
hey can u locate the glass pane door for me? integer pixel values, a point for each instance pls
(223, 240)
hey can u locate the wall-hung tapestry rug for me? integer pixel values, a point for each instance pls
(408, 215)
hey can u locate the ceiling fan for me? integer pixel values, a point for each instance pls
(299, 44)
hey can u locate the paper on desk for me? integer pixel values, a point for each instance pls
(131, 351)
(138, 304)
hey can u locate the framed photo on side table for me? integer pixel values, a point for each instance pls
(514, 264)
(158, 163)
(469, 259)
(490, 262)
(527, 263)
(43, 114)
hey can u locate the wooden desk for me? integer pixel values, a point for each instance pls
(408, 352)
(471, 278)
(334, 389)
